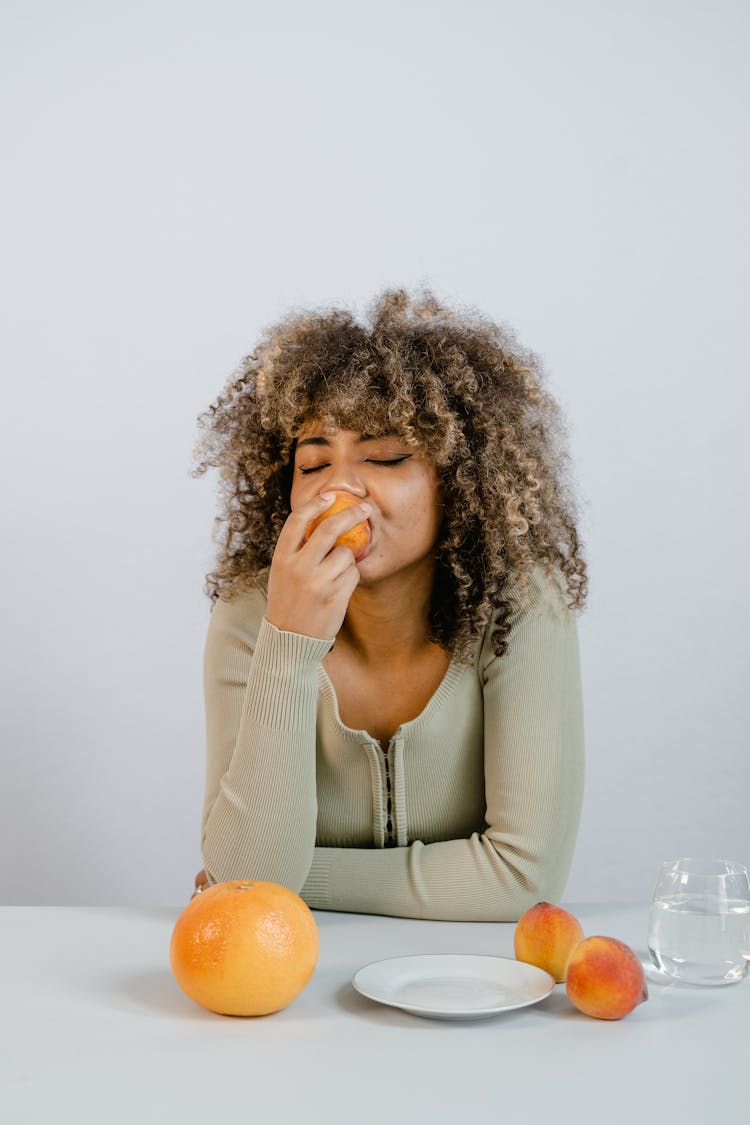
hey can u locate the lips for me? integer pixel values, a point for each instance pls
(363, 554)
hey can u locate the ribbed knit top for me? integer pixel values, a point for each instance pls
(473, 812)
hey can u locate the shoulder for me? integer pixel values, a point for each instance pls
(540, 594)
(544, 592)
(238, 615)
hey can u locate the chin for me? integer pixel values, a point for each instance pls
(370, 567)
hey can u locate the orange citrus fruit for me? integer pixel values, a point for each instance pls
(358, 538)
(244, 948)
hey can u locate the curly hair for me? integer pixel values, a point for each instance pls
(451, 382)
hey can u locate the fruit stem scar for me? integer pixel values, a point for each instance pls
(245, 886)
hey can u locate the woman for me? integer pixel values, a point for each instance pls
(402, 733)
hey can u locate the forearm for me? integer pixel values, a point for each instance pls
(471, 880)
(259, 822)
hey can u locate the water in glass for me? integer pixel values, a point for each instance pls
(699, 940)
(699, 929)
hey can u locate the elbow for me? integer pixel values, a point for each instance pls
(524, 879)
(542, 889)
(522, 898)
(285, 870)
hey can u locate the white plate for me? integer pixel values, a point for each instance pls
(452, 986)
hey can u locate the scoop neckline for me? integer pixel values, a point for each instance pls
(450, 678)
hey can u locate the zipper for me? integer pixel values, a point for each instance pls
(389, 838)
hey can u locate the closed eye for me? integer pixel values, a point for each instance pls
(370, 460)
(392, 460)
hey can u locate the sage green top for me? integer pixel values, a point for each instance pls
(485, 784)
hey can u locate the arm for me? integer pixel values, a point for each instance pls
(261, 695)
(261, 670)
(533, 781)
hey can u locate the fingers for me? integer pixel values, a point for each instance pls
(338, 562)
(325, 534)
(338, 577)
(330, 528)
(310, 582)
(324, 539)
(292, 533)
(201, 883)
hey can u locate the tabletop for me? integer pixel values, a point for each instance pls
(95, 1028)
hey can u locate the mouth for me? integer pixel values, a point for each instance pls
(363, 554)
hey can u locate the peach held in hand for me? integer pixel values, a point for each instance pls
(605, 978)
(546, 936)
(358, 539)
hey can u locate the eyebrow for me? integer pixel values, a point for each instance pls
(360, 440)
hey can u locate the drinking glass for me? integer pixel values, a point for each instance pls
(699, 928)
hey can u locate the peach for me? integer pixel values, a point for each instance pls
(545, 936)
(605, 978)
(358, 539)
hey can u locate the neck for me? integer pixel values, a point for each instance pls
(389, 620)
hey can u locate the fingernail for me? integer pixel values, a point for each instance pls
(366, 508)
(327, 496)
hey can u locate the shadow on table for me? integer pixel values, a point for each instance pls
(155, 992)
(355, 1004)
(352, 1002)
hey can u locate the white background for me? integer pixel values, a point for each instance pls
(177, 175)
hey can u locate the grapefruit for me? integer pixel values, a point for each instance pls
(244, 948)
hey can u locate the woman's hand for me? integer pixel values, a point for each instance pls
(310, 583)
(201, 882)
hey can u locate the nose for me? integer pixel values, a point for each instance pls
(343, 476)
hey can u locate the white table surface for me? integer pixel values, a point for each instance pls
(95, 1029)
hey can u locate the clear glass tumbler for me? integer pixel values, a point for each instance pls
(699, 927)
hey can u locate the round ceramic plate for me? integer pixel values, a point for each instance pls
(452, 986)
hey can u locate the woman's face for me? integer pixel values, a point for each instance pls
(399, 481)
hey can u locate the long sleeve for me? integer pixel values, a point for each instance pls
(534, 771)
(260, 808)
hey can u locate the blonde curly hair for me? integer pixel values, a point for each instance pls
(451, 382)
